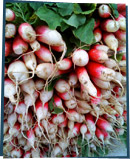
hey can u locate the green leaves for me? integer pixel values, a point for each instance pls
(114, 10)
(53, 108)
(35, 6)
(85, 32)
(75, 20)
(52, 18)
(65, 9)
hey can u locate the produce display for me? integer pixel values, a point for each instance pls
(65, 79)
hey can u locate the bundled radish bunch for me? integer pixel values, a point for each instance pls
(55, 105)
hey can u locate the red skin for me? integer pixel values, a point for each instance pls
(17, 126)
(123, 13)
(7, 80)
(95, 54)
(19, 41)
(125, 115)
(105, 34)
(77, 126)
(104, 24)
(99, 133)
(120, 17)
(26, 153)
(95, 69)
(8, 48)
(20, 30)
(89, 117)
(58, 48)
(30, 133)
(38, 104)
(102, 124)
(42, 51)
(121, 7)
(105, 133)
(97, 23)
(120, 34)
(95, 100)
(40, 30)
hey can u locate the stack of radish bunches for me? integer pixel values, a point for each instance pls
(87, 103)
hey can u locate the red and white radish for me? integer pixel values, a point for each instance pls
(97, 34)
(104, 11)
(80, 57)
(19, 45)
(9, 15)
(27, 32)
(10, 30)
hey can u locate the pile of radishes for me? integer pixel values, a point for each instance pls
(91, 99)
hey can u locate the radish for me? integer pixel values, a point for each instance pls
(122, 22)
(99, 134)
(121, 7)
(30, 137)
(97, 23)
(45, 96)
(101, 47)
(62, 86)
(100, 83)
(6, 126)
(26, 32)
(8, 48)
(80, 57)
(27, 154)
(90, 123)
(104, 125)
(74, 116)
(70, 104)
(66, 95)
(44, 54)
(81, 110)
(21, 108)
(64, 64)
(111, 41)
(14, 131)
(63, 144)
(50, 37)
(75, 131)
(121, 35)
(22, 141)
(35, 153)
(18, 72)
(98, 55)
(72, 79)
(64, 123)
(12, 118)
(28, 87)
(35, 45)
(83, 130)
(99, 71)
(104, 11)
(9, 15)
(120, 131)
(58, 118)
(56, 151)
(10, 30)
(44, 70)
(58, 48)
(39, 84)
(19, 45)
(83, 104)
(16, 153)
(41, 110)
(110, 25)
(110, 63)
(58, 101)
(97, 34)
(85, 80)
(123, 13)
(9, 90)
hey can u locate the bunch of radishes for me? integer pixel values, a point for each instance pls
(91, 99)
